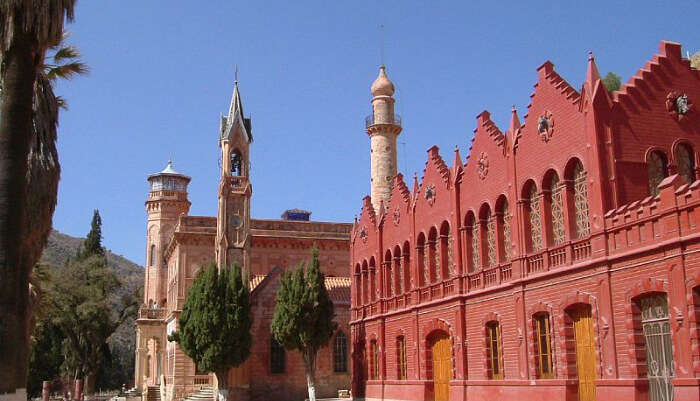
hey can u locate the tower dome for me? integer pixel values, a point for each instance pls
(382, 86)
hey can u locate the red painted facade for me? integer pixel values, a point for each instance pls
(591, 204)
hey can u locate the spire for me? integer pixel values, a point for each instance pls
(415, 184)
(458, 159)
(235, 112)
(514, 120)
(592, 74)
(236, 104)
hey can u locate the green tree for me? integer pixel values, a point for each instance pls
(303, 318)
(93, 242)
(214, 327)
(27, 30)
(612, 81)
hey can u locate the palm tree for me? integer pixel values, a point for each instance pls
(27, 30)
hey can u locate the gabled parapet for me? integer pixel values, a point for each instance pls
(435, 160)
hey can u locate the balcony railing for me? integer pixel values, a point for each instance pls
(151, 313)
(369, 120)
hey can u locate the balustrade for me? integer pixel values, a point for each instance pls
(557, 256)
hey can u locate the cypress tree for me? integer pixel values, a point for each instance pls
(214, 327)
(93, 242)
(303, 318)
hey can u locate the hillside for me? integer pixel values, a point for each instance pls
(59, 248)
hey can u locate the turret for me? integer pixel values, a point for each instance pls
(167, 200)
(383, 127)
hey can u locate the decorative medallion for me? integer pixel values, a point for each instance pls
(430, 194)
(678, 104)
(363, 234)
(545, 126)
(482, 166)
(397, 216)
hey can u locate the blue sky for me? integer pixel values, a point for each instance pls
(162, 72)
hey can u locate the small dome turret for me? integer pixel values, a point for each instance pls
(382, 86)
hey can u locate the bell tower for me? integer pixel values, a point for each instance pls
(383, 127)
(233, 218)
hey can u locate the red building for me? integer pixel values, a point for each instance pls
(560, 262)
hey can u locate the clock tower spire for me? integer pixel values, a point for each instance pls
(233, 218)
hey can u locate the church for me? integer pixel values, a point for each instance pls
(178, 245)
(560, 261)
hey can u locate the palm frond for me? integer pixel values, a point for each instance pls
(66, 53)
(66, 71)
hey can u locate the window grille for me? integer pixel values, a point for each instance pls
(476, 260)
(401, 357)
(374, 360)
(658, 170)
(340, 353)
(659, 348)
(388, 277)
(426, 266)
(544, 346)
(491, 238)
(557, 211)
(686, 163)
(535, 221)
(495, 364)
(277, 357)
(450, 260)
(435, 267)
(506, 232)
(583, 226)
(399, 275)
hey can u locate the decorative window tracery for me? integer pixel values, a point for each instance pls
(657, 169)
(476, 260)
(557, 211)
(506, 231)
(686, 163)
(491, 238)
(426, 264)
(450, 260)
(535, 221)
(583, 227)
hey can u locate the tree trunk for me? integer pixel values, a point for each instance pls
(222, 379)
(310, 365)
(18, 74)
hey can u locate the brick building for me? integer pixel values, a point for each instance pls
(179, 245)
(561, 261)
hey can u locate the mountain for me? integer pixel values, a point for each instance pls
(59, 248)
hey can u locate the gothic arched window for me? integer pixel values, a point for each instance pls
(657, 167)
(152, 256)
(533, 203)
(433, 255)
(401, 358)
(476, 257)
(556, 210)
(236, 163)
(685, 160)
(583, 227)
(490, 238)
(420, 254)
(505, 230)
(340, 353)
(494, 352)
(445, 250)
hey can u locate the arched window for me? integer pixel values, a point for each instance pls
(583, 227)
(543, 332)
(277, 357)
(236, 163)
(398, 272)
(685, 160)
(490, 237)
(152, 256)
(340, 353)
(373, 360)
(504, 217)
(472, 230)
(533, 206)
(445, 251)
(401, 358)
(494, 352)
(420, 254)
(358, 285)
(433, 255)
(556, 210)
(374, 290)
(365, 283)
(388, 275)
(406, 266)
(657, 167)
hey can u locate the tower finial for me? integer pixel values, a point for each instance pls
(235, 74)
(381, 44)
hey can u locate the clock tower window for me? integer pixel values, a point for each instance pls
(236, 163)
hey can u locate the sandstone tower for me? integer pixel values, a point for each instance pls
(383, 127)
(167, 200)
(233, 219)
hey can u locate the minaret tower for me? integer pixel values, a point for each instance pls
(233, 218)
(383, 127)
(167, 200)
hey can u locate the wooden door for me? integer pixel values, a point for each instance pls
(657, 338)
(585, 352)
(442, 366)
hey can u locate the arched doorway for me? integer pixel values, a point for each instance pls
(440, 348)
(585, 351)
